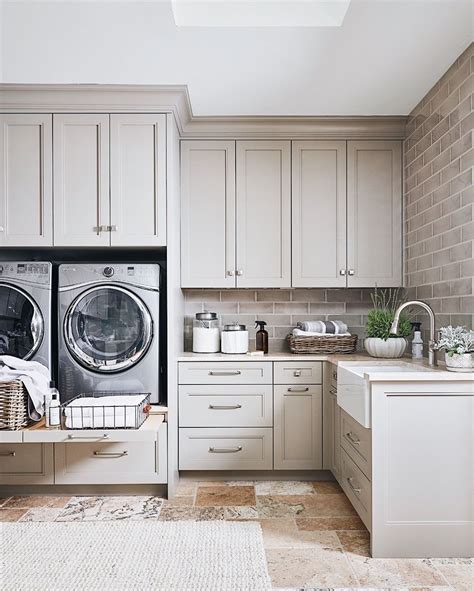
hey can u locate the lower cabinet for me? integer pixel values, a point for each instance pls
(26, 463)
(335, 429)
(297, 428)
(225, 449)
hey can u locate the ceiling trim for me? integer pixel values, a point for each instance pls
(117, 98)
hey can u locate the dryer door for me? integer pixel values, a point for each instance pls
(108, 329)
(21, 323)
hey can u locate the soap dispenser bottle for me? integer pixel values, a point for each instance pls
(261, 338)
(417, 342)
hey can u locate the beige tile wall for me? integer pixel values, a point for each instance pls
(439, 196)
(280, 308)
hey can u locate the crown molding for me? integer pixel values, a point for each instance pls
(119, 98)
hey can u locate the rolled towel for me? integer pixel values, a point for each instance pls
(323, 326)
(297, 332)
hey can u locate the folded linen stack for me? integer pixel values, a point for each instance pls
(104, 412)
(320, 328)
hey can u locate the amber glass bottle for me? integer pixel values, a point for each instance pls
(261, 338)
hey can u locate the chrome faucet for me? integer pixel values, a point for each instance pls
(396, 320)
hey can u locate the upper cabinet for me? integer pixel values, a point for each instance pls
(81, 180)
(263, 205)
(374, 213)
(319, 214)
(26, 199)
(138, 180)
(109, 180)
(208, 214)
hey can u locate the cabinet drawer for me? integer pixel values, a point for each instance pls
(226, 449)
(225, 406)
(298, 372)
(26, 463)
(357, 488)
(117, 462)
(225, 372)
(357, 441)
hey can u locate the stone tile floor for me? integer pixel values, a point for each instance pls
(313, 538)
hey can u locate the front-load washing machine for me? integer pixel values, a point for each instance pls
(108, 329)
(25, 311)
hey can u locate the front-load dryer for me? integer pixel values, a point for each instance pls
(25, 311)
(108, 329)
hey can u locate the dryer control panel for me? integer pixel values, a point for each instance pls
(32, 272)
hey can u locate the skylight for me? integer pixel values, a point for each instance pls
(259, 13)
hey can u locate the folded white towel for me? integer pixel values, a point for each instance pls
(297, 332)
(34, 376)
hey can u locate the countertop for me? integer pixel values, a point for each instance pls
(421, 370)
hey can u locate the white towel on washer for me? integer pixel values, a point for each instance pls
(34, 376)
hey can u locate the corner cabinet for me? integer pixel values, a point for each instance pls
(109, 180)
(236, 214)
(26, 198)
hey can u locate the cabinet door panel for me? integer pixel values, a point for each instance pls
(318, 214)
(207, 214)
(138, 180)
(374, 213)
(263, 214)
(81, 180)
(298, 428)
(26, 198)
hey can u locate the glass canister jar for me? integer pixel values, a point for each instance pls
(206, 333)
(235, 338)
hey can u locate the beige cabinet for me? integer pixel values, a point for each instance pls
(319, 214)
(26, 200)
(334, 427)
(109, 180)
(138, 180)
(374, 213)
(26, 463)
(208, 214)
(298, 435)
(81, 180)
(263, 206)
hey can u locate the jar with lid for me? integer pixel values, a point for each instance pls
(235, 338)
(206, 333)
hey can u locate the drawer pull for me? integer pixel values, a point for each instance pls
(223, 407)
(5, 454)
(354, 489)
(111, 454)
(333, 390)
(352, 438)
(300, 389)
(334, 375)
(225, 450)
(104, 436)
(237, 372)
(297, 373)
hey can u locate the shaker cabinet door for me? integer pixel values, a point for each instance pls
(208, 214)
(374, 213)
(81, 180)
(26, 199)
(318, 214)
(138, 180)
(263, 205)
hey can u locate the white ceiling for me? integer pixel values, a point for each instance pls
(381, 61)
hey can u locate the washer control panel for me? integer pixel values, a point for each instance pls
(28, 271)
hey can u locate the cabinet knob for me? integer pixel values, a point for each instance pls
(230, 273)
(113, 228)
(240, 272)
(342, 272)
(2, 229)
(351, 272)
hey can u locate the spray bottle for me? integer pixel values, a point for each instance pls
(261, 338)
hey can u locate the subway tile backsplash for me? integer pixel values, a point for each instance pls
(281, 309)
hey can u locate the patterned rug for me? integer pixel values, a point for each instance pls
(125, 555)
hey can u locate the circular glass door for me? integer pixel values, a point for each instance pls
(108, 329)
(21, 323)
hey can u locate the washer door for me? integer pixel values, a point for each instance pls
(21, 323)
(108, 329)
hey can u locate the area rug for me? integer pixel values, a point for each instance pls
(184, 556)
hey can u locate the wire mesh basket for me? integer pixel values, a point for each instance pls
(106, 410)
(13, 405)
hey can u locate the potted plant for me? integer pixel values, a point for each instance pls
(379, 341)
(458, 345)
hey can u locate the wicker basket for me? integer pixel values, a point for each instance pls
(13, 405)
(324, 345)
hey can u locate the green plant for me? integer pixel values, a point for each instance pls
(455, 340)
(381, 316)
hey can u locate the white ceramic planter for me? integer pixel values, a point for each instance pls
(457, 362)
(392, 348)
